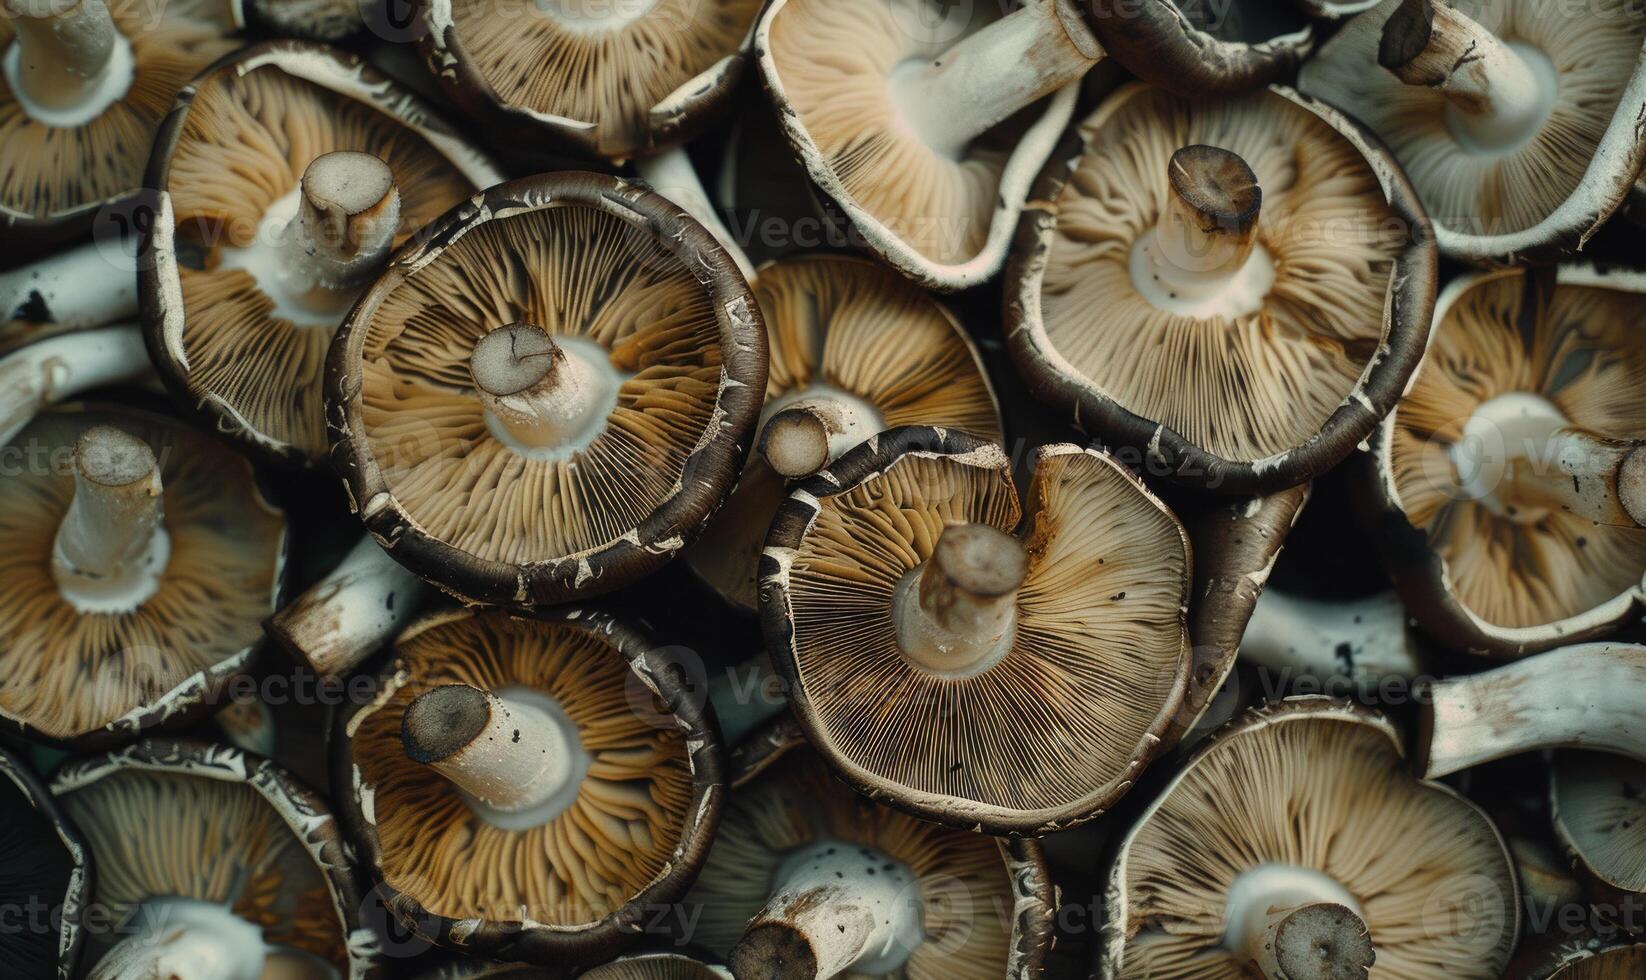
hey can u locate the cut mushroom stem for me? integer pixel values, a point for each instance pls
(68, 58)
(351, 613)
(111, 546)
(671, 174)
(837, 907)
(1208, 229)
(1499, 94)
(991, 74)
(86, 286)
(1314, 941)
(183, 939)
(956, 614)
(812, 428)
(510, 755)
(347, 212)
(540, 396)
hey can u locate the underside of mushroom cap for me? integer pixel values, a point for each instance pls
(1599, 807)
(613, 79)
(1473, 574)
(230, 344)
(1544, 194)
(52, 171)
(1316, 789)
(1232, 394)
(86, 678)
(1617, 963)
(1200, 48)
(1053, 729)
(570, 888)
(42, 865)
(645, 301)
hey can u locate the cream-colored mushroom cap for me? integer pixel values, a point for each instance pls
(1599, 804)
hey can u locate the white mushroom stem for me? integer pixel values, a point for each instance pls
(808, 428)
(672, 175)
(1585, 696)
(510, 755)
(541, 397)
(68, 59)
(1207, 231)
(995, 72)
(1364, 640)
(1310, 907)
(351, 613)
(348, 210)
(836, 907)
(87, 286)
(51, 370)
(182, 939)
(1315, 941)
(111, 546)
(956, 614)
(1499, 95)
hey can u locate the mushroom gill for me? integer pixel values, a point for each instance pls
(628, 309)
(615, 837)
(1599, 804)
(1620, 963)
(1255, 379)
(1576, 348)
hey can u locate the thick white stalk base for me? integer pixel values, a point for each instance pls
(546, 397)
(956, 614)
(68, 64)
(1365, 640)
(1258, 894)
(351, 613)
(184, 939)
(112, 547)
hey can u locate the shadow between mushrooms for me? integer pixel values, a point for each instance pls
(981, 681)
(43, 864)
(1238, 288)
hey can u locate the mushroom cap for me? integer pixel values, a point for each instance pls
(788, 800)
(1198, 48)
(588, 256)
(1278, 395)
(1599, 806)
(175, 819)
(88, 680)
(576, 888)
(235, 147)
(1061, 725)
(845, 324)
(42, 866)
(56, 179)
(1616, 963)
(944, 223)
(1474, 579)
(1319, 785)
(614, 90)
(1544, 197)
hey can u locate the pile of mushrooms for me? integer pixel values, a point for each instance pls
(795, 489)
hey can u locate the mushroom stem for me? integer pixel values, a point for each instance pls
(541, 396)
(184, 939)
(511, 754)
(995, 72)
(1585, 696)
(87, 286)
(1364, 640)
(111, 547)
(812, 427)
(1313, 941)
(1208, 229)
(1498, 94)
(348, 210)
(837, 907)
(956, 614)
(50, 370)
(68, 59)
(348, 615)
(672, 175)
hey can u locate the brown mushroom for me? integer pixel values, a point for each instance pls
(44, 877)
(1199, 48)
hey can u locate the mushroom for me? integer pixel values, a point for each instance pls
(634, 966)
(549, 396)
(1237, 290)
(529, 789)
(1516, 121)
(1293, 843)
(1364, 641)
(1015, 685)
(86, 85)
(85, 286)
(807, 880)
(351, 613)
(919, 119)
(212, 865)
(855, 349)
(43, 877)
(1623, 962)
(1199, 48)
(1502, 484)
(1598, 803)
(315, 20)
(285, 176)
(137, 557)
(1335, 9)
(56, 366)
(1584, 696)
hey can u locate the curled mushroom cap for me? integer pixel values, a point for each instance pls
(43, 865)
(138, 558)
(85, 86)
(286, 174)
(945, 903)
(1506, 477)
(527, 788)
(1616, 963)
(1599, 807)
(550, 395)
(1516, 121)
(1240, 288)
(212, 863)
(988, 681)
(1198, 48)
(613, 79)
(1296, 806)
(855, 349)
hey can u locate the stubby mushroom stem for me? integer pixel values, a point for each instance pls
(187, 940)
(991, 74)
(347, 212)
(541, 396)
(68, 62)
(813, 427)
(1500, 95)
(1202, 255)
(671, 174)
(513, 757)
(1314, 941)
(1364, 640)
(837, 907)
(346, 616)
(956, 614)
(111, 547)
